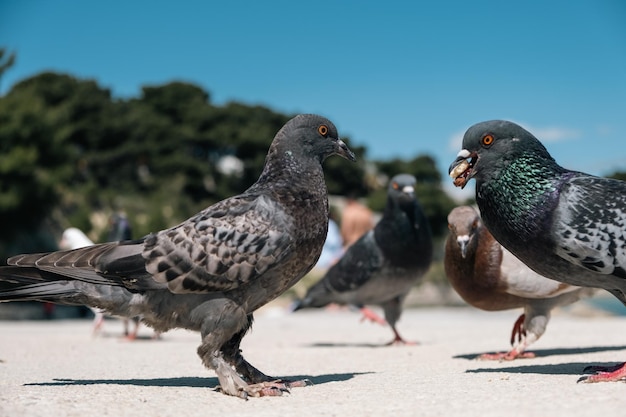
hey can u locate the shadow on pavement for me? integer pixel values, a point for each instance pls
(192, 382)
(541, 353)
(574, 368)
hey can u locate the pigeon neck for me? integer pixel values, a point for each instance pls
(291, 168)
(293, 179)
(522, 193)
(404, 230)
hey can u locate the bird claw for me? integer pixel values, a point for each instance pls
(398, 341)
(262, 389)
(279, 386)
(274, 388)
(298, 384)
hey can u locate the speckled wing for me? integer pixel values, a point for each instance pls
(589, 225)
(221, 248)
(362, 259)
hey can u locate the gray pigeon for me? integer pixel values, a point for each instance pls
(565, 225)
(211, 272)
(384, 264)
(489, 277)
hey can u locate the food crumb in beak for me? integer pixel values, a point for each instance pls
(459, 170)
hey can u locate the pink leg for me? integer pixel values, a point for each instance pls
(98, 321)
(517, 352)
(518, 329)
(130, 336)
(372, 316)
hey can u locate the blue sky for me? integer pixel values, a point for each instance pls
(401, 77)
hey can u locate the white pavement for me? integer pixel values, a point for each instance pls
(57, 369)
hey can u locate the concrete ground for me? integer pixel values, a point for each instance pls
(56, 368)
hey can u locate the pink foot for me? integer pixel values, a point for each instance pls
(505, 356)
(605, 373)
(269, 389)
(399, 340)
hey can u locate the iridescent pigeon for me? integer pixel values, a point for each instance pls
(565, 225)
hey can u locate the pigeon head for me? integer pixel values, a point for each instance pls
(463, 223)
(490, 146)
(309, 136)
(402, 188)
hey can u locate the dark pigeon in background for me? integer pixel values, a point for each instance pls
(489, 277)
(211, 272)
(565, 225)
(384, 264)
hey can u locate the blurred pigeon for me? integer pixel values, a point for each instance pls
(565, 225)
(211, 272)
(384, 264)
(74, 238)
(489, 277)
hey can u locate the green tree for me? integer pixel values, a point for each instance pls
(619, 175)
(72, 153)
(36, 156)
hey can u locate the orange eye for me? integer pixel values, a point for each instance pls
(323, 130)
(395, 185)
(487, 140)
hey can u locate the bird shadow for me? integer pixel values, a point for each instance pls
(572, 368)
(540, 353)
(190, 382)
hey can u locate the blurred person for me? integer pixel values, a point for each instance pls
(333, 245)
(356, 220)
(119, 227)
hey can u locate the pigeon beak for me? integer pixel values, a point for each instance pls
(345, 152)
(462, 169)
(462, 241)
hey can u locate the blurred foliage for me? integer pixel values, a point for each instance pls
(72, 155)
(620, 175)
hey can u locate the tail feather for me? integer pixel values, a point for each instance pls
(317, 296)
(115, 263)
(297, 305)
(24, 284)
(85, 257)
(33, 284)
(61, 292)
